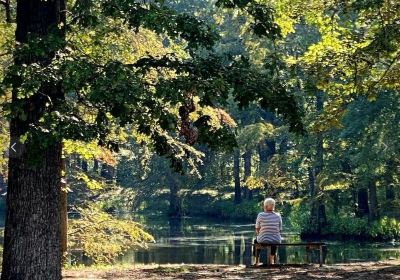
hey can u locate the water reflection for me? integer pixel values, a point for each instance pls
(238, 248)
(200, 241)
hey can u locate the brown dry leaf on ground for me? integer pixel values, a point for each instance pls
(354, 271)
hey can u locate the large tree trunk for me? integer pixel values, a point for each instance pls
(175, 203)
(336, 202)
(265, 152)
(236, 175)
(373, 201)
(64, 213)
(318, 213)
(362, 202)
(247, 173)
(32, 231)
(95, 165)
(314, 204)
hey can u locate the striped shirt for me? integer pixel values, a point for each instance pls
(270, 225)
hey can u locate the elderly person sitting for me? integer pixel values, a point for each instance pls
(269, 227)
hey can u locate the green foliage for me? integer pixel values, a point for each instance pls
(246, 210)
(347, 226)
(91, 184)
(386, 229)
(108, 89)
(103, 237)
(152, 15)
(6, 42)
(298, 215)
(252, 135)
(262, 16)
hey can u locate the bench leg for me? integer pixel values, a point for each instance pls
(256, 254)
(308, 259)
(268, 255)
(321, 256)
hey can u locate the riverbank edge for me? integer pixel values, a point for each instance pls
(358, 270)
(311, 237)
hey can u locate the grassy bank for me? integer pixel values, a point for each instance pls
(355, 271)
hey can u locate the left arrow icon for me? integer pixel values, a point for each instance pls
(13, 147)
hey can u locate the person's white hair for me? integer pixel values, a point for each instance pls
(269, 202)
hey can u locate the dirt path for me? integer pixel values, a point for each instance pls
(355, 271)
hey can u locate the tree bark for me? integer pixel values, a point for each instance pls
(236, 175)
(175, 203)
(64, 214)
(32, 231)
(318, 213)
(95, 165)
(33, 222)
(362, 202)
(265, 152)
(373, 201)
(314, 204)
(247, 172)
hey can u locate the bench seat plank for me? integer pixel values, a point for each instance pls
(290, 244)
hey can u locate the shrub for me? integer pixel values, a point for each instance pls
(246, 210)
(347, 226)
(298, 217)
(103, 237)
(385, 228)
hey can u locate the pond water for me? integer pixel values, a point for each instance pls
(201, 241)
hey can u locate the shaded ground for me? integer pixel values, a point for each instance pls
(364, 271)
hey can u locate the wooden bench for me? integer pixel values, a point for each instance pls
(309, 246)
